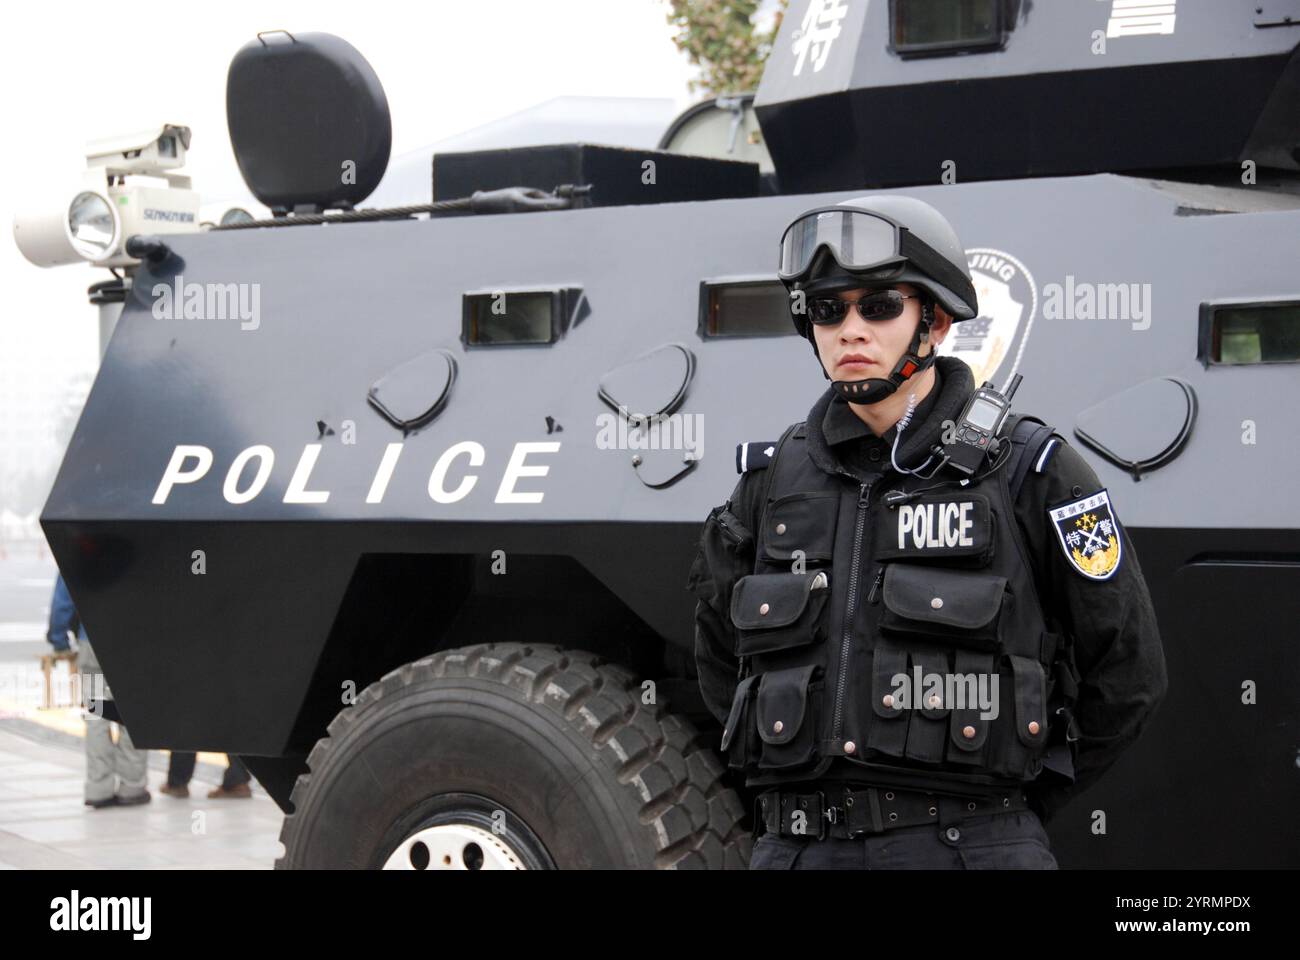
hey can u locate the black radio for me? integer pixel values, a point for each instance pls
(974, 436)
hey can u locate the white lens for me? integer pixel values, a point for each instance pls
(91, 225)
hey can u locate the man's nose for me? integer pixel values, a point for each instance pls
(853, 327)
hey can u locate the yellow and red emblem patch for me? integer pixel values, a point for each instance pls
(1089, 535)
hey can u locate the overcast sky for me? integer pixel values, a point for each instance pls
(77, 71)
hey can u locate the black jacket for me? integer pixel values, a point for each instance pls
(1112, 624)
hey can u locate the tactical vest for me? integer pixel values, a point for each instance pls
(850, 593)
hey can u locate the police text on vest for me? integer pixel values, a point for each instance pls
(935, 525)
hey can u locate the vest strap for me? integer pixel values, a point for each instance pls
(770, 470)
(1027, 435)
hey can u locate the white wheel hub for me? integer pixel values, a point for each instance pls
(454, 846)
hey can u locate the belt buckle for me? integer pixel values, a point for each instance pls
(767, 809)
(830, 816)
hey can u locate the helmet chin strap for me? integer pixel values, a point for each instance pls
(875, 389)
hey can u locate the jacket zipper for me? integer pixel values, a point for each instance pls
(863, 498)
(730, 534)
(875, 586)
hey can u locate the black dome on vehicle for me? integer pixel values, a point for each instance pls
(308, 120)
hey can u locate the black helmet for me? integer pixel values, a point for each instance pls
(877, 241)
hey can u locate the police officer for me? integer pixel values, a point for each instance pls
(915, 664)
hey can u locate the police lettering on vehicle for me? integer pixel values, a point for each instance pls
(190, 463)
(1089, 535)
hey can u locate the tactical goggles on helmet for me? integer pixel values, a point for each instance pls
(863, 242)
(874, 306)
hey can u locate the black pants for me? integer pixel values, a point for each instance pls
(1014, 840)
(181, 769)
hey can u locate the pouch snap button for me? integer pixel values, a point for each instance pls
(1033, 726)
(968, 732)
(850, 746)
(762, 611)
(953, 834)
(778, 727)
(936, 603)
(780, 528)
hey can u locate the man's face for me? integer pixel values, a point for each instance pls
(855, 349)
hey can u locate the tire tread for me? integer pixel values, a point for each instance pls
(674, 774)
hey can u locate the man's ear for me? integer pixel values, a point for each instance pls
(942, 324)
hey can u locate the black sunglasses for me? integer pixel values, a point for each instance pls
(880, 305)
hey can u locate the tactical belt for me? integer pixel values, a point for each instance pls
(843, 813)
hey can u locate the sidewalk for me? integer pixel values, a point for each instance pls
(43, 821)
(45, 824)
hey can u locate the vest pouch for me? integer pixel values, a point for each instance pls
(800, 522)
(887, 720)
(954, 607)
(968, 732)
(1020, 734)
(776, 611)
(927, 732)
(1062, 694)
(724, 542)
(740, 743)
(787, 710)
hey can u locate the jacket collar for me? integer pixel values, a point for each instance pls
(841, 426)
(956, 383)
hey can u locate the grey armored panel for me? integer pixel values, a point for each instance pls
(1053, 89)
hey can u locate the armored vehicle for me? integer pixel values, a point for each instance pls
(410, 529)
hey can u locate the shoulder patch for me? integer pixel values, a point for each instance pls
(754, 454)
(1048, 449)
(1088, 532)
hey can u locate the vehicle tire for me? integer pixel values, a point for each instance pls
(512, 755)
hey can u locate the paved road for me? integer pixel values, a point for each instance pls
(44, 822)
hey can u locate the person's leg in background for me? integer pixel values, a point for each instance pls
(236, 773)
(234, 782)
(106, 762)
(100, 783)
(180, 770)
(132, 768)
